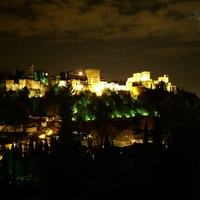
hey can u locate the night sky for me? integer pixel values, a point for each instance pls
(118, 37)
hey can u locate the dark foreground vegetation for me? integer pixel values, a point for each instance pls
(120, 173)
(67, 170)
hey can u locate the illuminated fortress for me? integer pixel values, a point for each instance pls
(38, 82)
(134, 84)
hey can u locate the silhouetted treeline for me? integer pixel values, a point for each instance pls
(141, 171)
(15, 106)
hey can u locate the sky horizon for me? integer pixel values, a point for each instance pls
(118, 37)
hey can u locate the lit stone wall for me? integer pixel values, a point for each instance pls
(42, 89)
(164, 78)
(77, 85)
(145, 76)
(10, 85)
(93, 76)
(36, 88)
(136, 77)
(31, 84)
(129, 83)
(62, 83)
(133, 84)
(144, 79)
(22, 83)
(37, 85)
(148, 84)
(135, 91)
(130, 79)
(168, 85)
(115, 86)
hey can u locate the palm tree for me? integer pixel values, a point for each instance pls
(182, 127)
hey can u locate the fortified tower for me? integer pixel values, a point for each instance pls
(31, 71)
(93, 77)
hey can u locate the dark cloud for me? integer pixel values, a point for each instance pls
(81, 20)
(108, 34)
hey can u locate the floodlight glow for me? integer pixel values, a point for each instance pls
(42, 136)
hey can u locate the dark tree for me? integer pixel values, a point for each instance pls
(66, 114)
(181, 128)
(145, 138)
(68, 151)
(157, 135)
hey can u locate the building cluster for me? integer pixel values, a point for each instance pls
(38, 82)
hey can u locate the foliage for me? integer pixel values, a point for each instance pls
(85, 106)
(182, 127)
(66, 114)
(112, 104)
(39, 106)
(15, 107)
(154, 100)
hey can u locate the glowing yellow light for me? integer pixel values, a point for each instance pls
(80, 73)
(49, 132)
(42, 136)
(1, 157)
(8, 146)
(98, 90)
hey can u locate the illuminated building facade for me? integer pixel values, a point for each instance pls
(142, 80)
(38, 82)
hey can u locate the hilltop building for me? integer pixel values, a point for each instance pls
(142, 80)
(38, 82)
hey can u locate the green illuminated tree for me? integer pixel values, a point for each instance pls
(85, 106)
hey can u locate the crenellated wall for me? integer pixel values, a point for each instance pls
(93, 83)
